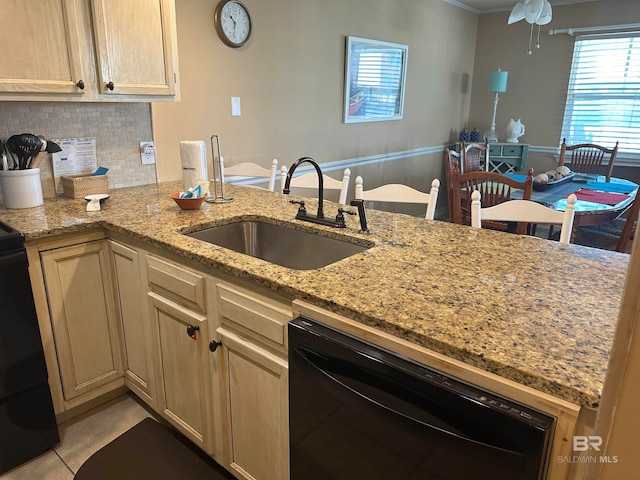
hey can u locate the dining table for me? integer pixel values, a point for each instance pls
(597, 202)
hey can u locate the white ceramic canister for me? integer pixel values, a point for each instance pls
(21, 188)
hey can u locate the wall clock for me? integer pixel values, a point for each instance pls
(233, 22)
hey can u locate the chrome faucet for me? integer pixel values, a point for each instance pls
(338, 222)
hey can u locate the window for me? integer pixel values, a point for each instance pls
(603, 100)
(374, 80)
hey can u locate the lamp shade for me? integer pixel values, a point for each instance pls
(498, 81)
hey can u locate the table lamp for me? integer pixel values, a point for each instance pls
(497, 84)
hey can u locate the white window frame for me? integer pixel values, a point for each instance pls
(375, 78)
(603, 96)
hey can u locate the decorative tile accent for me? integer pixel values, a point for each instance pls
(118, 127)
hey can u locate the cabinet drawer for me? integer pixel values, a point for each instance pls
(515, 150)
(258, 316)
(176, 282)
(495, 150)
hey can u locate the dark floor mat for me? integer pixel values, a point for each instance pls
(150, 451)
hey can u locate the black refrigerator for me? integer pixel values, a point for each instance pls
(27, 420)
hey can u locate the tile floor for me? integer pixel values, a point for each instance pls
(80, 438)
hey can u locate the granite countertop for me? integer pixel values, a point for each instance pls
(529, 310)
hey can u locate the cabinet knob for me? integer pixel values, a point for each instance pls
(214, 344)
(110, 86)
(191, 330)
(80, 84)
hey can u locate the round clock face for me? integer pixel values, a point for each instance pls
(233, 22)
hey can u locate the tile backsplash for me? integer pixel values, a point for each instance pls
(118, 128)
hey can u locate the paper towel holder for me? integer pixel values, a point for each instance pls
(217, 174)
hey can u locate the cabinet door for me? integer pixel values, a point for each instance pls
(134, 46)
(40, 47)
(134, 317)
(183, 379)
(258, 409)
(82, 309)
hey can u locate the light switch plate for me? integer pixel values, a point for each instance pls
(148, 153)
(235, 107)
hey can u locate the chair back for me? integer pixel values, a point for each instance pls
(310, 180)
(494, 189)
(399, 193)
(451, 163)
(629, 225)
(475, 157)
(588, 157)
(523, 212)
(248, 169)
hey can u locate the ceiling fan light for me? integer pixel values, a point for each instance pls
(533, 10)
(517, 13)
(546, 15)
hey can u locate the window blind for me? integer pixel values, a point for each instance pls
(603, 98)
(379, 76)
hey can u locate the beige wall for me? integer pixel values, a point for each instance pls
(537, 84)
(290, 80)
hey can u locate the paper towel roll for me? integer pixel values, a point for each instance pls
(193, 154)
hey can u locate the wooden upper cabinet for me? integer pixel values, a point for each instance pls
(89, 50)
(134, 46)
(40, 45)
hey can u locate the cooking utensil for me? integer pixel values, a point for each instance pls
(47, 147)
(37, 160)
(4, 159)
(12, 163)
(25, 146)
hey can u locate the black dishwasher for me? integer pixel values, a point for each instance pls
(27, 420)
(358, 411)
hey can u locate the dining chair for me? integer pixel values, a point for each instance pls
(525, 212)
(451, 163)
(494, 189)
(630, 225)
(248, 169)
(475, 157)
(310, 180)
(400, 193)
(588, 157)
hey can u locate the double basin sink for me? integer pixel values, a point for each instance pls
(279, 244)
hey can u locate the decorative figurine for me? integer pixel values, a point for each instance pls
(515, 129)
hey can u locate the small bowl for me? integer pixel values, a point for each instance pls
(187, 203)
(97, 196)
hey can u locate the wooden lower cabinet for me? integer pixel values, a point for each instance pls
(81, 301)
(134, 317)
(257, 403)
(182, 363)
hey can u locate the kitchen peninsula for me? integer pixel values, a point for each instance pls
(527, 310)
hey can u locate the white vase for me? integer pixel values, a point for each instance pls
(21, 188)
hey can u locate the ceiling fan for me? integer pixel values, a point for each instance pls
(535, 12)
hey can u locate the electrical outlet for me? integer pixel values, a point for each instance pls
(147, 153)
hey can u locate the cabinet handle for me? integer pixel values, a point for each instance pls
(191, 330)
(214, 344)
(80, 84)
(110, 86)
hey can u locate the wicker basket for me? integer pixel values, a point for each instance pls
(79, 186)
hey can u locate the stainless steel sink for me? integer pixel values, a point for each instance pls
(279, 244)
